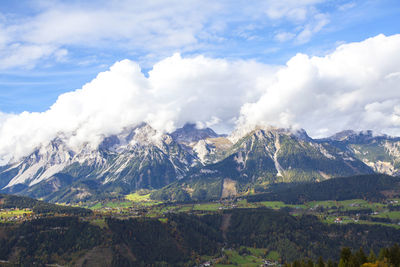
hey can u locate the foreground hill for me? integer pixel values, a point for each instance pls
(371, 187)
(38, 206)
(182, 239)
(189, 234)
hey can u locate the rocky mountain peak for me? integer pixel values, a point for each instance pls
(142, 157)
(272, 132)
(141, 135)
(190, 133)
(145, 134)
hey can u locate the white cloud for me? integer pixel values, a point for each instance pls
(145, 27)
(294, 10)
(133, 26)
(22, 55)
(355, 87)
(284, 36)
(308, 20)
(178, 90)
(347, 6)
(312, 27)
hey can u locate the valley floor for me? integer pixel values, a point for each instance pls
(357, 211)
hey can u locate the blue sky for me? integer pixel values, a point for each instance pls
(50, 48)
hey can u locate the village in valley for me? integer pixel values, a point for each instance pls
(140, 205)
(348, 211)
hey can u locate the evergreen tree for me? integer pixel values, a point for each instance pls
(321, 262)
(345, 255)
(372, 257)
(361, 257)
(394, 255)
(296, 263)
(353, 261)
(383, 253)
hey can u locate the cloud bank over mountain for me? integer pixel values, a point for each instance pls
(357, 86)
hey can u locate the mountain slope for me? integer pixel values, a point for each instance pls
(137, 158)
(208, 146)
(193, 163)
(262, 157)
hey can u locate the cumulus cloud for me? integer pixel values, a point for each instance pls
(177, 90)
(206, 90)
(355, 87)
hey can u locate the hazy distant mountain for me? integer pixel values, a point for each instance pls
(381, 152)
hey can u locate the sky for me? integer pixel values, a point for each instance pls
(87, 69)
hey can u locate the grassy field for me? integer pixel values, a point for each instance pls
(279, 204)
(163, 220)
(4, 215)
(186, 208)
(140, 204)
(207, 206)
(233, 258)
(137, 197)
(273, 204)
(273, 255)
(142, 199)
(112, 204)
(13, 213)
(259, 252)
(393, 215)
(131, 200)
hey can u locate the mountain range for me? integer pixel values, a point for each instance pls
(192, 163)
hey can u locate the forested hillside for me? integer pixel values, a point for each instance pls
(370, 187)
(183, 239)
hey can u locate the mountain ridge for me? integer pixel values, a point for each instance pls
(140, 157)
(263, 157)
